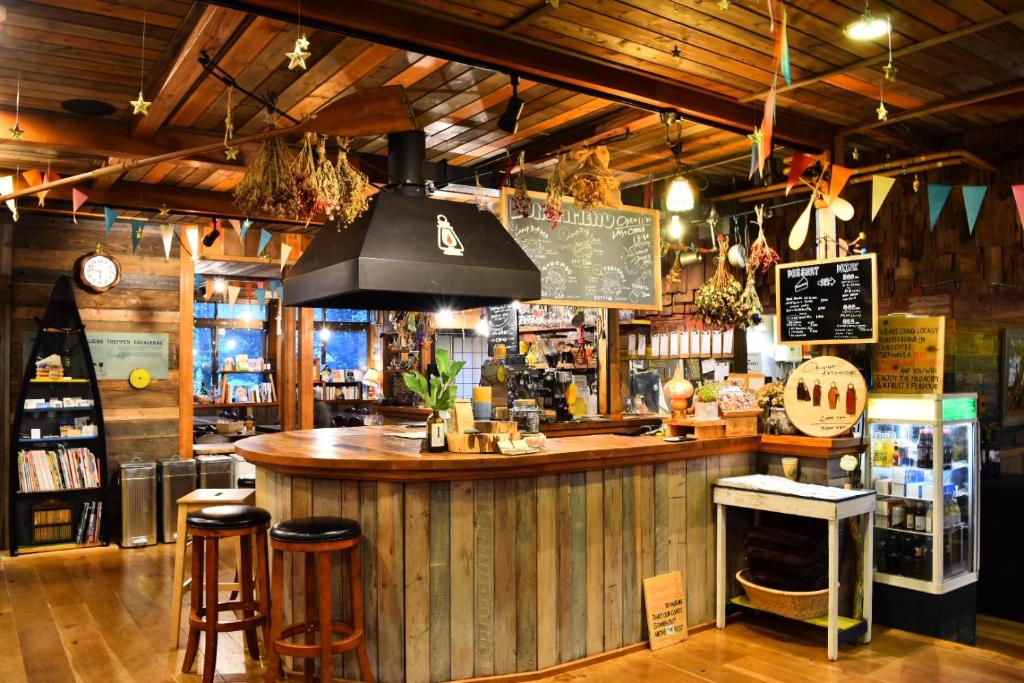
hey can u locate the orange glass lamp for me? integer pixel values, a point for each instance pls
(678, 390)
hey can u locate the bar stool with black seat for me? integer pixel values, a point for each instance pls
(317, 537)
(208, 526)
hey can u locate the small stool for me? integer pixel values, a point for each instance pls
(208, 526)
(318, 537)
(197, 500)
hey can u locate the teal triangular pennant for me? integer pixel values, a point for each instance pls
(264, 240)
(261, 296)
(199, 281)
(937, 196)
(137, 227)
(246, 224)
(109, 216)
(974, 195)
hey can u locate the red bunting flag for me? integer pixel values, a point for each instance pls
(50, 177)
(840, 176)
(77, 199)
(34, 177)
(237, 225)
(801, 162)
(1018, 197)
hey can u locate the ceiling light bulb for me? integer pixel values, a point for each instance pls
(220, 286)
(325, 333)
(681, 196)
(675, 229)
(483, 328)
(867, 27)
(445, 318)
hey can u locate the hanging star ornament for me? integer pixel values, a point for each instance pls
(889, 71)
(16, 132)
(724, 4)
(165, 213)
(231, 153)
(883, 113)
(297, 57)
(140, 105)
(676, 52)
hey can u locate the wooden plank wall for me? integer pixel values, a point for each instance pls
(139, 423)
(474, 578)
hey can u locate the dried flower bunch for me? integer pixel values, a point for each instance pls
(761, 257)
(553, 206)
(354, 188)
(592, 185)
(719, 300)
(521, 197)
(771, 394)
(307, 193)
(268, 187)
(326, 179)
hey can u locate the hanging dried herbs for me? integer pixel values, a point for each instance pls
(521, 197)
(268, 188)
(553, 206)
(761, 257)
(326, 178)
(307, 193)
(719, 300)
(481, 200)
(593, 185)
(354, 188)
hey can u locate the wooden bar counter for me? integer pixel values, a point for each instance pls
(475, 565)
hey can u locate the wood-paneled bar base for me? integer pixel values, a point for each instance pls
(476, 565)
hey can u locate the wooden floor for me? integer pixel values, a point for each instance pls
(103, 615)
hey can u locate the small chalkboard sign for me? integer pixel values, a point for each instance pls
(665, 605)
(827, 302)
(504, 323)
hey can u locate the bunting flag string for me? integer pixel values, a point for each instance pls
(6, 187)
(801, 162)
(937, 196)
(1018, 197)
(974, 195)
(265, 236)
(137, 227)
(199, 281)
(784, 40)
(261, 296)
(246, 224)
(77, 199)
(167, 235)
(34, 177)
(837, 180)
(109, 216)
(233, 291)
(286, 250)
(880, 187)
(237, 225)
(50, 177)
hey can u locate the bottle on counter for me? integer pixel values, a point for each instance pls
(437, 430)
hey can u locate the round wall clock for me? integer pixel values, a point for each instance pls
(139, 378)
(97, 271)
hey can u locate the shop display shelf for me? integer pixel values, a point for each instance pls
(53, 439)
(846, 624)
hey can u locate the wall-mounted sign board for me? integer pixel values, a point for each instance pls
(116, 354)
(665, 606)
(609, 258)
(825, 396)
(504, 324)
(908, 358)
(827, 302)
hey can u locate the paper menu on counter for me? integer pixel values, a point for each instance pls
(716, 343)
(684, 344)
(727, 339)
(673, 345)
(705, 343)
(694, 343)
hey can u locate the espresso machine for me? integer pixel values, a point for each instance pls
(555, 386)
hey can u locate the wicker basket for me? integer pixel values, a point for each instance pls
(792, 604)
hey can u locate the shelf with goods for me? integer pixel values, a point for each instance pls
(55, 469)
(238, 404)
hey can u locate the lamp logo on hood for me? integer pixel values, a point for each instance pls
(447, 241)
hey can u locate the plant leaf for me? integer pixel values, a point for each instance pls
(443, 362)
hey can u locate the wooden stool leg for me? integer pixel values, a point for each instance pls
(196, 594)
(212, 609)
(277, 580)
(326, 632)
(356, 584)
(263, 583)
(246, 591)
(179, 577)
(309, 664)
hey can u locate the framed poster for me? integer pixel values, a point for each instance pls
(832, 301)
(908, 358)
(1012, 377)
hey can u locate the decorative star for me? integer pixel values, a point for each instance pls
(917, 183)
(165, 213)
(247, 224)
(301, 43)
(889, 70)
(856, 153)
(140, 105)
(723, 4)
(883, 113)
(297, 57)
(755, 137)
(16, 132)
(676, 52)
(231, 153)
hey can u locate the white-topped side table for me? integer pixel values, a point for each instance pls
(778, 494)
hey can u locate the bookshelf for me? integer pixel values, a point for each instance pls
(75, 477)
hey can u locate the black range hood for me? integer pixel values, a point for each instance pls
(408, 252)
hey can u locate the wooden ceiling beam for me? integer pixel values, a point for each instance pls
(446, 36)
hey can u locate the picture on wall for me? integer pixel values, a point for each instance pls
(1013, 376)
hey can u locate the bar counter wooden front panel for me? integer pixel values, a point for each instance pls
(494, 576)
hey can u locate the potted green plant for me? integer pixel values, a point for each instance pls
(705, 404)
(438, 393)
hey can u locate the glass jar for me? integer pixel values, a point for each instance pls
(526, 415)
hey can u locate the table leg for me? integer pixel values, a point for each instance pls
(720, 563)
(833, 590)
(179, 577)
(869, 573)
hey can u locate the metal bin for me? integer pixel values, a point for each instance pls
(215, 471)
(138, 503)
(177, 477)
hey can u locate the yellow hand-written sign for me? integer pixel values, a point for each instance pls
(908, 358)
(665, 605)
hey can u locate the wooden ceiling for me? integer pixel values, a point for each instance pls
(968, 74)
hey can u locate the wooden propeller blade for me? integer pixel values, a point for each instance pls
(367, 112)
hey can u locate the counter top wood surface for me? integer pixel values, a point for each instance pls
(375, 453)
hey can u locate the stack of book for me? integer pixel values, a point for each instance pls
(49, 368)
(67, 468)
(89, 522)
(257, 393)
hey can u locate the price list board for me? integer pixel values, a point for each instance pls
(504, 322)
(827, 302)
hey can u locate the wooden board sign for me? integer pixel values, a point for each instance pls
(825, 396)
(665, 606)
(609, 258)
(908, 358)
(504, 324)
(832, 301)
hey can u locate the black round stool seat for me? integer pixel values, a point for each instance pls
(315, 530)
(247, 482)
(228, 517)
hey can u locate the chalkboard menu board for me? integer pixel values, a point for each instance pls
(827, 302)
(504, 322)
(609, 258)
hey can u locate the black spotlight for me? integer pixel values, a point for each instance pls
(509, 121)
(211, 236)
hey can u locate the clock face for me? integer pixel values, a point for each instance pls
(99, 271)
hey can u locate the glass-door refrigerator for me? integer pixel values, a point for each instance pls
(922, 459)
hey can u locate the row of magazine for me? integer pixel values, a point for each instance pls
(65, 468)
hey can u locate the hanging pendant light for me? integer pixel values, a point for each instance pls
(675, 228)
(867, 26)
(681, 195)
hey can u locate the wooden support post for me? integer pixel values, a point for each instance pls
(287, 371)
(186, 299)
(609, 367)
(306, 369)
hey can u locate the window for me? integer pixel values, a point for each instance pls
(222, 330)
(341, 349)
(341, 315)
(470, 348)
